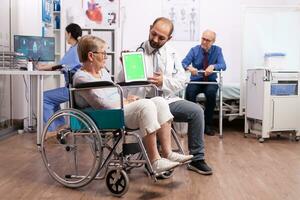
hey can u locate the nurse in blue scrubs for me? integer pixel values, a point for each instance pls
(70, 62)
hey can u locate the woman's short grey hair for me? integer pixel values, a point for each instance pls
(89, 43)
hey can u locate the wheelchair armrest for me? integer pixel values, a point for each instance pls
(95, 84)
(135, 83)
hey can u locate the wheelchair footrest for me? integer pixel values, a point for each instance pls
(131, 148)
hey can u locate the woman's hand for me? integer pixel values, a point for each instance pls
(130, 99)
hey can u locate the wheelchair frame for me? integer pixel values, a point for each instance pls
(112, 166)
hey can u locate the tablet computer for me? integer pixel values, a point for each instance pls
(134, 66)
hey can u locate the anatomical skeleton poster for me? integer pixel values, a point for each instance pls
(185, 16)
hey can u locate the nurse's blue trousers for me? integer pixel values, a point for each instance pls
(52, 100)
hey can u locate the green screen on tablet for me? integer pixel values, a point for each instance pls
(134, 66)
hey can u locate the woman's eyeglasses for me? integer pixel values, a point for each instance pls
(104, 53)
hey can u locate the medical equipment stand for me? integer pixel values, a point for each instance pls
(272, 102)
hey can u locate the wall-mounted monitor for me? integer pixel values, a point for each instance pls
(35, 47)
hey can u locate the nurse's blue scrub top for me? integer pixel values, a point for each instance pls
(71, 58)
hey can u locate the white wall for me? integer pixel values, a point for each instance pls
(4, 45)
(26, 19)
(4, 23)
(225, 17)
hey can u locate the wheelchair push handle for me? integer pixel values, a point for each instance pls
(137, 84)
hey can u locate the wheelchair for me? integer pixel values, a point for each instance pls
(92, 145)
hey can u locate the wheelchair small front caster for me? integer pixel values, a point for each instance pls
(297, 138)
(261, 140)
(117, 182)
(166, 174)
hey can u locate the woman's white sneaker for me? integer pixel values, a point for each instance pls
(176, 157)
(163, 164)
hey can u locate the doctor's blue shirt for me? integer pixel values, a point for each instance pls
(195, 57)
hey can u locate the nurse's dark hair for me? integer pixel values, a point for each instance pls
(89, 43)
(75, 31)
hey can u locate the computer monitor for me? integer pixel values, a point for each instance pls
(35, 47)
(134, 66)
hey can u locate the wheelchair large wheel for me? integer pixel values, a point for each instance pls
(117, 182)
(72, 153)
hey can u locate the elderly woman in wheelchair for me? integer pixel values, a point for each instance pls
(99, 100)
(151, 116)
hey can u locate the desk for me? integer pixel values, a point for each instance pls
(39, 75)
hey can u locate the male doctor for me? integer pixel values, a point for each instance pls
(164, 70)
